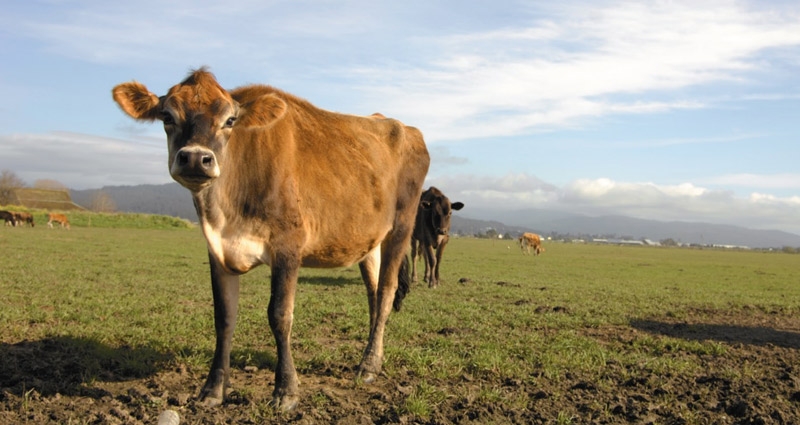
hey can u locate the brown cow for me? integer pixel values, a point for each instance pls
(57, 218)
(23, 218)
(9, 218)
(277, 181)
(432, 233)
(531, 240)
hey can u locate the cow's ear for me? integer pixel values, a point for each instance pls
(425, 205)
(135, 100)
(262, 112)
(457, 205)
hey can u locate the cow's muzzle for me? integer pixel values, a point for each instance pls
(194, 166)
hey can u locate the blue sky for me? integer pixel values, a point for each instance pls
(665, 110)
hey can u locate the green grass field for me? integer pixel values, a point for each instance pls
(143, 296)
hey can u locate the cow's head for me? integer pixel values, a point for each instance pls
(199, 118)
(439, 209)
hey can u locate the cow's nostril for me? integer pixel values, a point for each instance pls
(183, 158)
(207, 161)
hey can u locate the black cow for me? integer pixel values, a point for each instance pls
(9, 218)
(431, 233)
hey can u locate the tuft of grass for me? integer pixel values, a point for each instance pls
(423, 400)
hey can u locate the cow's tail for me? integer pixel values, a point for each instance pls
(403, 284)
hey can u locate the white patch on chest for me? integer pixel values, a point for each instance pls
(235, 250)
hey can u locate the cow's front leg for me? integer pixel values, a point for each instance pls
(439, 252)
(430, 265)
(281, 311)
(414, 245)
(225, 287)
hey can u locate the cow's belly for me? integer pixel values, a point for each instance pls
(333, 256)
(238, 250)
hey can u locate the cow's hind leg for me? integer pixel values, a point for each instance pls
(225, 288)
(281, 312)
(370, 270)
(393, 264)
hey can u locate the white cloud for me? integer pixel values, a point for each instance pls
(592, 58)
(602, 196)
(82, 161)
(507, 192)
(555, 66)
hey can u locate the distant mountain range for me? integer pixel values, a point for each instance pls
(619, 227)
(167, 199)
(172, 199)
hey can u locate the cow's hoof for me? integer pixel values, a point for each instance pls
(213, 392)
(285, 403)
(212, 396)
(211, 401)
(367, 377)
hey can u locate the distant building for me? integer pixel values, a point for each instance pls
(617, 241)
(730, 246)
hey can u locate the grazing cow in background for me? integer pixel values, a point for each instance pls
(57, 218)
(277, 181)
(9, 218)
(23, 218)
(531, 240)
(431, 233)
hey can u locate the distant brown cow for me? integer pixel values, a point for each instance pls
(432, 233)
(531, 240)
(9, 218)
(23, 218)
(57, 218)
(277, 181)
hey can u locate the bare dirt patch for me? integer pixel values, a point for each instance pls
(755, 379)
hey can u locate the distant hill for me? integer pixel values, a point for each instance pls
(168, 199)
(172, 199)
(552, 222)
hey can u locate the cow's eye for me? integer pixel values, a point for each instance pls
(167, 118)
(229, 122)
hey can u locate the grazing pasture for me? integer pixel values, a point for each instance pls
(113, 326)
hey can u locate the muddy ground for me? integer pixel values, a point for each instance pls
(756, 380)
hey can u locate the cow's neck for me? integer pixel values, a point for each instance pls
(241, 203)
(237, 242)
(208, 211)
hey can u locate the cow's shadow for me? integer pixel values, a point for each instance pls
(65, 365)
(752, 335)
(330, 281)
